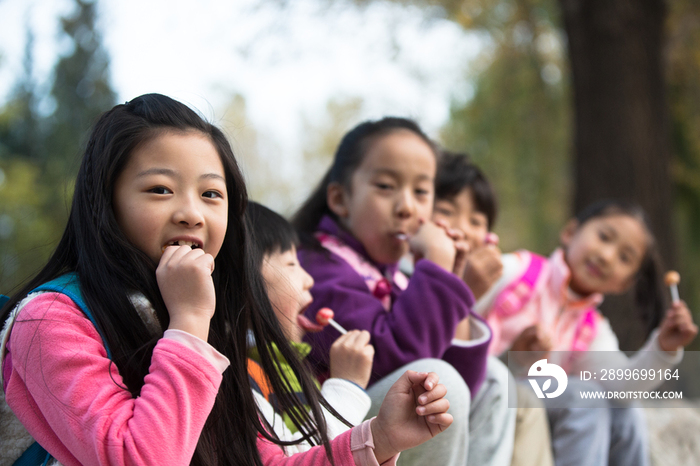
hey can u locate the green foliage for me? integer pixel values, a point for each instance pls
(517, 124)
(20, 130)
(27, 234)
(39, 154)
(684, 99)
(81, 90)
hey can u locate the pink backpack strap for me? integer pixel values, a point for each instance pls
(586, 330)
(512, 299)
(378, 285)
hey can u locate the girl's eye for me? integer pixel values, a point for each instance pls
(603, 236)
(626, 258)
(160, 190)
(212, 194)
(442, 211)
(384, 186)
(422, 192)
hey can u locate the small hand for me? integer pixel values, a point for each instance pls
(432, 242)
(184, 279)
(677, 329)
(483, 268)
(462, 247)
(351, 357)
(414, 410)
(531, 345)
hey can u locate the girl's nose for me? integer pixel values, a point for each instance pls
(607, 253)
(406, 204)
(467, 231)
(308, 280)
(188, 213)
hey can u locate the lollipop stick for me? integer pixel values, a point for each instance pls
(674, 293)
(337, 326)
(672, 278)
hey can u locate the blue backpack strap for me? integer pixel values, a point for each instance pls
(35, 455)
(69, 285)
(3, 299)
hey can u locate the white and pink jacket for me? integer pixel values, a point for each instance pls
(534, 290)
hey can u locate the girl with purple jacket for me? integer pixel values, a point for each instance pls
(372, 207)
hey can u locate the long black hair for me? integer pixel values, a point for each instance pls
(648, 287)
(273, 234)
(348, 157)
(110, 269)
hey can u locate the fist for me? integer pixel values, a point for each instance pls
(184, 279)
(351, 357)
(677, 329)
(482, 269)
(432, 242)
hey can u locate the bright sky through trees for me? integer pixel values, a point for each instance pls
(286, 62)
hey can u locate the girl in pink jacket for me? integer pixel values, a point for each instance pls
(117, 351)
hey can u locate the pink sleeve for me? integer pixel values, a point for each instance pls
(362, 446)
(218, 360)
(353, 447)
(272, 454)
(67, 392)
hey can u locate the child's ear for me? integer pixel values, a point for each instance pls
(568, 232)
(336, 200)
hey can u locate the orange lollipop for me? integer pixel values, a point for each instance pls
(325, 316)
(672, 279)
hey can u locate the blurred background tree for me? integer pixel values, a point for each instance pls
(81, 89)
(41, 137)
(682, 61)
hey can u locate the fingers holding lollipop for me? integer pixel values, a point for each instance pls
(677, 329)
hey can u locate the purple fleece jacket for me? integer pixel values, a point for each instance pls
(421, 323)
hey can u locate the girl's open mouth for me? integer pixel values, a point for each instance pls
(305, 323)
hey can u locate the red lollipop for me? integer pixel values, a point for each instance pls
(325, 316)
(491, 238)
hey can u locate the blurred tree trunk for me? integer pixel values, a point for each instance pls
(621, 142)
(621, 121)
